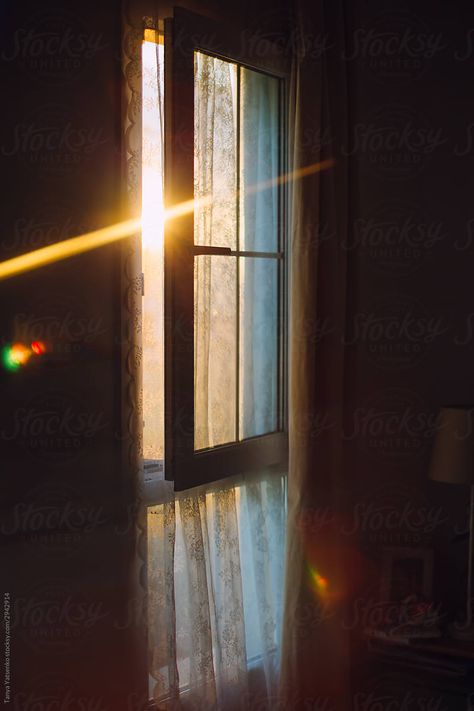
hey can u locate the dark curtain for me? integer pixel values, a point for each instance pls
(320, 567)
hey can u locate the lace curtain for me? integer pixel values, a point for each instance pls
(215, 555)
(215, 569)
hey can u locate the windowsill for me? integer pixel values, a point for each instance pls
(156, 490)
(153, 470)
(255, 673)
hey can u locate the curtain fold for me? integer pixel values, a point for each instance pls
(315, 646)
(161, 600)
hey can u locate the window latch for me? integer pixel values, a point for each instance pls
(202, 249)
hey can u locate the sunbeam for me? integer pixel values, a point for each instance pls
(113, 233)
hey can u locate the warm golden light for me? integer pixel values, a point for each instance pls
(189, 206)
(20, 354)
(153, 228)
(68, 248)
(113, 233)
(153, 217)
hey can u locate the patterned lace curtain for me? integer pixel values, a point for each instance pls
(215, 555)
(215, 576)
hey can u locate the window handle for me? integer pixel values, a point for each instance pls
(202, 249)
(198, 249)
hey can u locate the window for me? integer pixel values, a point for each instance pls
(214, 362)
(225, 265)
(222, 270)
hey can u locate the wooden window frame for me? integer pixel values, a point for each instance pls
(185, 34)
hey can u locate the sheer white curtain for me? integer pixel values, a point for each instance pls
(215, 581)
(216, 555)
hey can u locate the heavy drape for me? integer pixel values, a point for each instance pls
(315, 649)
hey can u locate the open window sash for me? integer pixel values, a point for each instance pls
(186, 463)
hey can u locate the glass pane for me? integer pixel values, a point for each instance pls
(215, 350)
(258, 358)
(259, 161)
(152, 250)
(215, 154)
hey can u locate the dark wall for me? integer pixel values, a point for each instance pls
(411, 304)
(66, 548)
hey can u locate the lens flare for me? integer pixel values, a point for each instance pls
(8, 361)
(318, 581)
(15, 356)
(20, 354)
(38, 347)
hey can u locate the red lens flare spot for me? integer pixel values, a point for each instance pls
(38, 347)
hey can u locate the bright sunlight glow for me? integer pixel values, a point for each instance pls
(153, 215)
(113, 233)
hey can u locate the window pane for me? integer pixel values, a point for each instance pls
(258, 359)
(223, 324)
(259, 161)
(215, 350)
(215, 155)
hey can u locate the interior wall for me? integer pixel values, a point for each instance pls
(410, 338)
(67, 547)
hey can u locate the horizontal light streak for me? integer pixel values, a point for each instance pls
(68, 248)
(107, 235)
(186, 207)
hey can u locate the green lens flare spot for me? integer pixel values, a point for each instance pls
(9, 360)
